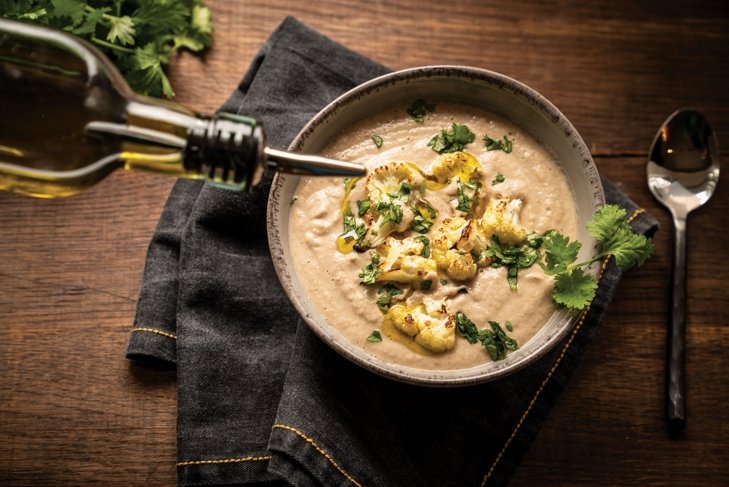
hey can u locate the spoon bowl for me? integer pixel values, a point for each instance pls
(682, 172)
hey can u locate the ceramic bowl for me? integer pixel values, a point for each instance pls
(477, 87)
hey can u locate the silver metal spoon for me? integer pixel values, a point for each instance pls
(683, 170)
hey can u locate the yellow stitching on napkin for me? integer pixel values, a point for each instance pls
(318, 448)
(554, 367)
(158, 332)
(225, 460)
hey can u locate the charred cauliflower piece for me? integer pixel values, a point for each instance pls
(501, 218)
(388, 189)
(460, 266)
(455, 261)
(431, 327)
(461, 164)
(404, 263)
(413, 269)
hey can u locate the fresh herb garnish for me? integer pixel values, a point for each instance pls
(426, 245)
(466, 328)
(363, 206)
(452, 140)
(426, 284)
(573, 287)
(512, 257)
(420, 223)
(375, 337)
(498, 144)
(377, 140)
(466, 201)
(390, 212)
(419, 108)
(443, 282)
(139, 36)
(385, 296)
(370, 271)
(498, 179)
(496, 341)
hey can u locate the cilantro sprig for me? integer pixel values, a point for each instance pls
(573, 287)
(140, 36)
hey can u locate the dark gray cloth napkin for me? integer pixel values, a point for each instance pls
(260, 398)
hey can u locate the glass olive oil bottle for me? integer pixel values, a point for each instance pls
(68, 119)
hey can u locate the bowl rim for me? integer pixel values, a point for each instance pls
(426, 377)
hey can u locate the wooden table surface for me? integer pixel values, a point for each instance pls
(74, 411)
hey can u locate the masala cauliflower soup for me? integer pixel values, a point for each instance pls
(430, 260)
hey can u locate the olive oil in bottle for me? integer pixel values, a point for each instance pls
(68, 119)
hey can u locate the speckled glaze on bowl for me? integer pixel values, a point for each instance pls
(476, 87)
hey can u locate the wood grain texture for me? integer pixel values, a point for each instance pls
(74, 411)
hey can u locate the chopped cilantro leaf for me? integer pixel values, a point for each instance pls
(496, 341)
(419, 108)
(465, 202)
(370, 271)
(385, 296)
(377, 140)
(466, 328)
(498, 179)
(363, 206)
(498, 144)
(426, 245)
(452, 140)
(375, 337)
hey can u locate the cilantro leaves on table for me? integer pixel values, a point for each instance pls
(140, 36)
(452, 140)
(419, 108)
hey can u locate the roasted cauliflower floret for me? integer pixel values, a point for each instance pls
(454, 164)
(433, 329)
(388, 190)
(386, 180)
(501, 218)
(444, 237)
(460, 266)
(394, 250)
(412, 269)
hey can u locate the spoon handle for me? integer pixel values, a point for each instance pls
(675, 384)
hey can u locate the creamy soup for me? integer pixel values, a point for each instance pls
(514, 180)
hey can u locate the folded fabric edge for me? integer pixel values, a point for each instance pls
(152, 345)
(239, 470)
(301, 461)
